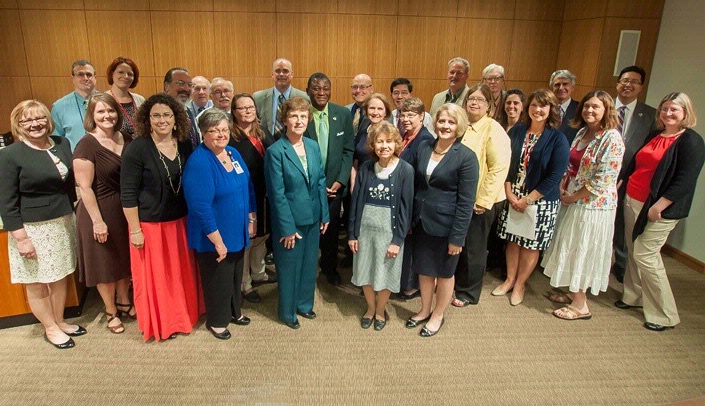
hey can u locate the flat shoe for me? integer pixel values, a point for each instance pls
(411, 323)
(252, 297)
(621, 305)
(426, 332)
(365, 322)
(63, 346)
(242, 321)
(414, 295)
(498, 291)
(79, 332)
(571, 313)
(223, 335)
(379, 324)
(460, 302)
(657, 327)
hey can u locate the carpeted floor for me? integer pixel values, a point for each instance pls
(489, 354)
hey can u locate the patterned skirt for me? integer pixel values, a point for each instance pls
(545, 223)
(371, 265)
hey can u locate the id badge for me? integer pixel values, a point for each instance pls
(238, 168)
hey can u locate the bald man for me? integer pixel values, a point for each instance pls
(361, 88)
(268, 101)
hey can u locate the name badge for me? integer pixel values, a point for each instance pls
(238, 168)
(340, 133)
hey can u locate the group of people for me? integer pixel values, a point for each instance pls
(182, 193)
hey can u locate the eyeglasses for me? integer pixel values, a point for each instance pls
(28, 121)
(181, 83)
(493, 79)
(397, 93)
(629, 82)
(86, 75)
(672, 110)
(219, 131)
(246, 108)
(477, 100)
(219, 92)
(165, 116)
(408, 115)
(360, 87)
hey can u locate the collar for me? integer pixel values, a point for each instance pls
(481, 123)
(456, 95)
(286, 93)
(565, 105)
(317, 113)
(631, 106)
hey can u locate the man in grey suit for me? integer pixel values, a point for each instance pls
(268, 101)
(636, 121)
(458, 72)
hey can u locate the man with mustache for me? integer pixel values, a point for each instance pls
(69, 111)
(458, 72)
(178, 84)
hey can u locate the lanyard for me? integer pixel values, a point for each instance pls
(78, 106)
(529, 148)
(124, 112)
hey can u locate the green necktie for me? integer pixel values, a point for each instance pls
(323, 137)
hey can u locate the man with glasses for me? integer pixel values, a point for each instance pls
(361, 88)
(458, 72)
(178, 84)
(402, 89)
(636, 121)
(69, 111)
(268, 101)
(221, 94)
(563, 83)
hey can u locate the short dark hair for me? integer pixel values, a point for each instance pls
(182, 127)
(81, 62)
(633, 68)
(168, 78)
(401, 81)
(119, 60)
(89, 121)
(316, 76)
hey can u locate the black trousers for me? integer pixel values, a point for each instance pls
(619, 242)
(221, 286)
(473, 260)
(329, 240)
(409, 278)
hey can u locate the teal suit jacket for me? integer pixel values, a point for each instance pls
(295, 200)
(264, 102)
(341, 144)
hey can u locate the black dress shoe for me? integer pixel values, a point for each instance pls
(618, 273)
(269, 258)
(252, 297)
(310, 315)
(223, 335)
(411, 323)
(334, 278)
(365, 322)
(426, 332)
(173, 336)
(657, 327)
(63, 346)
(404, 296)
(624, 306)
(242, 321)
(79, 332)
(294, 326)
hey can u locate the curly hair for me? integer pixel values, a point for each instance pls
(385, 128)
(182, 127)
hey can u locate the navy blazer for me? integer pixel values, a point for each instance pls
(409, 153)
(565, 127)
(294, 200)
(547, 163)
(443, 204)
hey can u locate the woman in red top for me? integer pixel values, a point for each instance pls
(660, 189)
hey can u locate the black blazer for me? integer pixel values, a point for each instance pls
(565, 127)
(443, 204)
(409, 153)
(31, 188)
(255, 165)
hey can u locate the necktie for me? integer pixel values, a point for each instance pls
(323, 137)
(356, 119)
(278, 126)
(562, 113)
(400, 126)
(620, 117)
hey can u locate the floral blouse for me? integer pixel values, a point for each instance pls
(599, 169)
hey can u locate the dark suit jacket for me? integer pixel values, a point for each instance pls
(294, 200)
(31, 188)
(409, 153)
(641, 124)
(264, 103)
(341, 138)
(255, 165)
(565, 127)
(444, 203)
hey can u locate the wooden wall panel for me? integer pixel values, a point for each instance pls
(56, 36)
(117, 5)
(308, 40)
(245, 6)
(251, 84)
(147, 86)
(366, 44)
(181, 5)
(175, 44)
(49, 89)
(545, 10)
(50, 5)
(134, 40)
(308, 6)
(436, 8)
(244, 43)
(14, 60)
(534, 49)
(13, 91)
(527, 86)
(576, 9)
(9, 4)
(425, 89)
(340, 90)
(577, 52)
(423, 47)
(635, 8)
(581, 90)
(388, 7)
(482, 42)
(498, 9)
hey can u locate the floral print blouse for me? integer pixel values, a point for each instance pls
(599, 169)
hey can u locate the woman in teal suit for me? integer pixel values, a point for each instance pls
(296, 187)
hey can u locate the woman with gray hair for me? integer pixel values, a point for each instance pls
(493, 77)
(222, 217)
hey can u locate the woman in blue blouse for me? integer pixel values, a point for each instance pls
(222, 218)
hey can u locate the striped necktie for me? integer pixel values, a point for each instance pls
(400, 126)
(356, 119)
(278, 126)
(620, 117)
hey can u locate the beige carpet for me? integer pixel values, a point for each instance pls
(490, 354)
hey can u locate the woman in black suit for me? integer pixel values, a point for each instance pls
(446, 179)
(36, 204)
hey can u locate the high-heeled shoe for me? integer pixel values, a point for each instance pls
(63, 346)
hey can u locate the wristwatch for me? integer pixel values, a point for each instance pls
(530, 201)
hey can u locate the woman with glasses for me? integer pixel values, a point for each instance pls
(167, 297)
(251, 142)
(222, 218)
(660, 187)
(493, 77)
(36, 204)
(124, 75)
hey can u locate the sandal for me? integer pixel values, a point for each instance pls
(126, 313)
(460, 302)
(571, 313)
(114, 329)
(558, 297)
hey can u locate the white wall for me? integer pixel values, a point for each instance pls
(679, 65)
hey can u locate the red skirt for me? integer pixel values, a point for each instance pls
(167, 289)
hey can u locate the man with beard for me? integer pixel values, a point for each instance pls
(178, 84)
(68, 112)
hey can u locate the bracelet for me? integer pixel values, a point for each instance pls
(139, 230)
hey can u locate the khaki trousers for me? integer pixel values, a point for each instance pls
(645, 280)
(254, 262)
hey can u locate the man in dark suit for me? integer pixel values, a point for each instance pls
(269, 100)
(563, 83)
(332, 128)
(636, 121)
